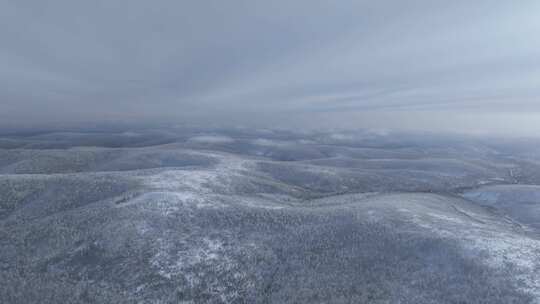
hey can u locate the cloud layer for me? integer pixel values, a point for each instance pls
(384, 64)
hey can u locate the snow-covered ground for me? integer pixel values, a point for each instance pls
(266, 217)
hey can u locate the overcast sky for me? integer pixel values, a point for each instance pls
(465, 66)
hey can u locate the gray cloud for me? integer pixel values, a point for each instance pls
(273, 61)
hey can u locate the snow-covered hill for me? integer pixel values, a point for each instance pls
(265, 217)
